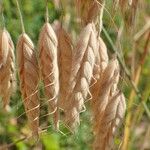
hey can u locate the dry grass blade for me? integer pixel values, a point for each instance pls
(81, 75)
(65, 49)
(28, 74)
(49, 68)
(7, 67)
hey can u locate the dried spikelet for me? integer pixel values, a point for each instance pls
(81, 75)
(129, 11)
(65, 49)
(4, 47)
(28, 74)
(106, 82)
(101, 63)
(112, 117)
(49, 67)
(109, 108)
(88, 10)
(103, 54)
(7, 68)
(114, 87)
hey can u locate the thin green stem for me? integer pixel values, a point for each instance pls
(47, 12)
(21, 18)
(2, 14)
(146, 108)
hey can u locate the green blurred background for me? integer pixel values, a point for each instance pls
(13, 128)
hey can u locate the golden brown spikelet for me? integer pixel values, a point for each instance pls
(7, 68)
(4, 49)
(65, 49)
(129, 11)
(107, 79)
(49, 68)
(28, 75)
(88, 10)
(81, 75)
(101, 62)
(103, 54)
(113, 115)
(108, 109)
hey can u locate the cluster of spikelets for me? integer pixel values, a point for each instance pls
(72, 75)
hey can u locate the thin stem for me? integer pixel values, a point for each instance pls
(62, 12)
(3, 18)
(47, 12)
(100, 23)
(136, 79)
(21, 18)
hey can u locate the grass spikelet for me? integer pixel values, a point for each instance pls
(112, 117)
(101, 63)
(108, 108)
(106, 82)
(88, 10)
(28, 75)
(65, 49)
(7, 67)
(103, 54)
(81, 75)
(49, 68)
(4, 49)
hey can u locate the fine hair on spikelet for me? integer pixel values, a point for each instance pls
(7, 67)
(49, 68)
(28, 75)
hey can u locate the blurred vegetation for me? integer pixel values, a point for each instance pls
(14, 128)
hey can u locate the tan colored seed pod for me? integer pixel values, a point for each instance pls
(106, 82)
(113, 115)
(7, 67)
(88, 10)
(108, 109)
(101, 63)
(81, 75)
(65, 49)
(4, 49)
(28, 75)
(49, 68)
